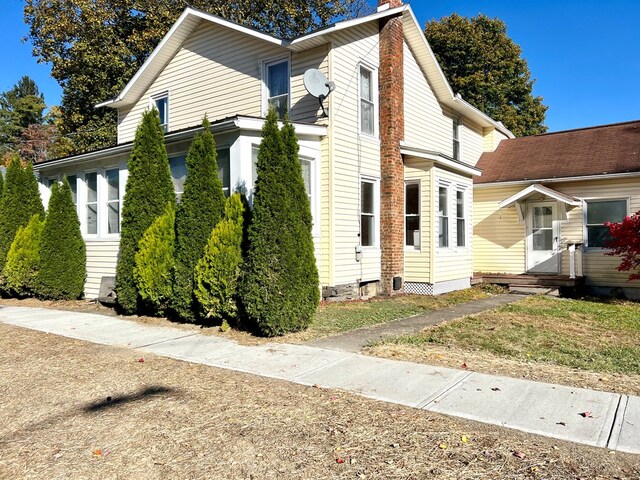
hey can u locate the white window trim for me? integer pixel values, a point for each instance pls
(264, 67)
(459, 138)
(374, 88)
(436, 201)
(82, 197)
(103, 226)
(465, 196)
(585, 230)
(152, 104)
(413, 248)
(376, 212)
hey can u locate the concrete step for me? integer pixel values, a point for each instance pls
(534, 290)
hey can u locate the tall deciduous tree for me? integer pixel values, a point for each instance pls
(63, 259)
(201, 208)
(96, 46)
(149, 189)
(20, 201)
(21, 106)
(280, 271)
(485, 66)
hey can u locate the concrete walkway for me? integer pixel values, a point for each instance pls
(545, 409)
(355, 340)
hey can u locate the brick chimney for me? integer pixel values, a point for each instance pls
(391, 121)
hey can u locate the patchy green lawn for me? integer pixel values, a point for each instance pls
(592, 335)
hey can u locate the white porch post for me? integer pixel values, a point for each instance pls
(572, 260)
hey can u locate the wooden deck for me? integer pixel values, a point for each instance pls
(528, 280)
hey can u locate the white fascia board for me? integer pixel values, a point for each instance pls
(604, 176)
(440, 160)
(537, 188)
(256, 124)
(473, 112)
(179, 24)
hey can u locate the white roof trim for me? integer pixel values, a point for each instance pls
(439, 160)
(537, 188)
(602, 176)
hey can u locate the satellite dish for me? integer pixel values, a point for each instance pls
(318, 86)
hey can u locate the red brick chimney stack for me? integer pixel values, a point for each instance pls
(391, 121)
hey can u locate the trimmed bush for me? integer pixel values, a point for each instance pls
(153, 271)
(149, 189)
(20, 201)
(280, 272)
(23, 260)
(201, 208)
(63, 256)
(217, 272)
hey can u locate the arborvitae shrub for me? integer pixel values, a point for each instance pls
(23, 260)
(217, 272)
(280, 271)
(149, 189)
(201, 208)
(20, 201)
(63, 257)
(153, 271)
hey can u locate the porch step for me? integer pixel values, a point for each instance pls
(534, 290)
(526, 280)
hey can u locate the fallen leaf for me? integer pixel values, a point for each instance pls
(394, 445)
(442, 446)
(464, 439)
(495, 389)
(464, 365)
(534, 469)
(339, 460)
(586, 414)
(519, 454)
(561, 423)
(97, 452)
(140, 360)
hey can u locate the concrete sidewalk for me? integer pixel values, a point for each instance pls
(545, 409)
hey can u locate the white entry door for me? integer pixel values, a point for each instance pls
(542, 237)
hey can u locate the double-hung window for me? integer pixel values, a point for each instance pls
(91, 202)
(456, 138)
(277, 85)
(461, 225)
(599, 212)
(178, 167)
(367, 101)
(161, 103)
(224, 172)
(112, 177)
(73, 184)
(367, 213)
(412, 214)
(443, 216)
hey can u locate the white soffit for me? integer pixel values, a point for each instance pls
(537, 188)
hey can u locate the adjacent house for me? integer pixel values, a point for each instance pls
(541, 201)
(388, 169)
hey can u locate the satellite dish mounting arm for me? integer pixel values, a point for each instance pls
(322, 97)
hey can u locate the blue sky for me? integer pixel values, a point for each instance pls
(583, 53)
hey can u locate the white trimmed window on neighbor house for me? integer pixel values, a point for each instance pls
(161, 103)
(443, 215)
(412, 214)
(112, 177)
(457, 127)
(368, 100)
(461, 218)
(277, 79)
(91, 203)
(368, 213)
(597, 212)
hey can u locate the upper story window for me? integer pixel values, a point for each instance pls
(443, 216)
(456, 138)
(367, 101)
(161, 103)
(598, 212)
(412, 214)
(277, 85)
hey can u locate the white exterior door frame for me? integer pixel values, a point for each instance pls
(543, 238)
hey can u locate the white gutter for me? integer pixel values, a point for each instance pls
(536, 187)
(475, 112)
(602, 176)
(440, 160)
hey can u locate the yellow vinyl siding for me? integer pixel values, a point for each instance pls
(102, 257)
(418, 263)
(453, 263)
(305, 107)
(471, 142)
(353, 156)
(498, 238)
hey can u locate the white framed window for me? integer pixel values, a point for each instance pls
(50, 181)
(412, 214)
(277, 75)
(443, 215)
(161, 103)
(112, 177)
(223, 160)
(368, 212)
(461, 218)
(178, 168)
(306, 165)
(456, 134)
(597, 212)
(91, 203)
(73, 184)
(368, 97)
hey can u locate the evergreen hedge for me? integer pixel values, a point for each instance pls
(20, 201)
(63, 258)
(217, 272)
(280, 271)
(153, 271)
(201, 208)
(149, 189)
(23, 260)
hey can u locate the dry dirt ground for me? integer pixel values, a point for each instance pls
(71, 409)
